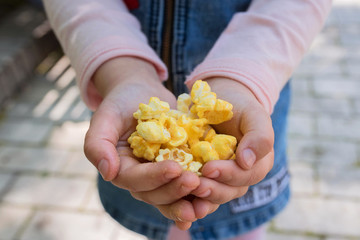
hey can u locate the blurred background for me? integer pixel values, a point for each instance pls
(48, 188)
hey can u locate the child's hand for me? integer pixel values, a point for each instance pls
(124, 83)
(251, 125)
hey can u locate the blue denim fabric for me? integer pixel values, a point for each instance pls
(196, 27)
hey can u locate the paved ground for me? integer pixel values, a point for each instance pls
(47, 187)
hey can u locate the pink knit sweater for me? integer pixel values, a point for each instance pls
(275, 35)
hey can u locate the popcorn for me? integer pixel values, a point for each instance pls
(207, 106)
(224, 145)
(153, 132)
(185, 134)
(152, 110)
(142, 148)
(203, 151)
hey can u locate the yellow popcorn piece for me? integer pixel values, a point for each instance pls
(142, 148)
(199, 89)
(222, 112)
(175, 154)
(184, 102)
(194, 167)
(185, 134)
(153, 132)
(194, 128)
(224, 145)
(207, 106)
(152, 110)
(204, 152)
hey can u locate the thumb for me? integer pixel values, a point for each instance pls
(101, 140)
(258, 136)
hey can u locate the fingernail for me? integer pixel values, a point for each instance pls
(213, 174)
(103, 168)
(204, 194)
(249, 157)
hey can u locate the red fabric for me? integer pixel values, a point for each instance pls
(131, 4)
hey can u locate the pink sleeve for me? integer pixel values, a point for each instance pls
(92, 32)
(261, 47)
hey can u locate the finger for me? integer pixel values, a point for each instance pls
(179, 211)
(172, 191)
(229, 172)
(101, 139)
(148, 176)
(219, 193)
(258, 136)
(203, 207)
(183, 225)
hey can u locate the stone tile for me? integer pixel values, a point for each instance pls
(300, 87)
(302, 150)
(337, 88)
(35, 159)
(315, 105)
(4, 181)
(339, 127)
(284, 236)
(302, 178)
(321, 216)
(357, 106)
(48, 191)
(340, 155)
(78, 164)
(301, 124)
(94, 203)
(340, 183)
(123, 233)
(11, 220)
(56, 225)
(30, 131)
(319, 69)
(69, 134)
(352, 69)
(18, 109)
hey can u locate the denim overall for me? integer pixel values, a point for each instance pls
(195, 26)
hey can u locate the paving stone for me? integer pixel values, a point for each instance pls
(284, 236)
(35, 159)
(4, 181)
(321, 216)
(352, 69)
(11, 220)
(302, 178)
(20, 130)
(78, 164)
(316, 105)
(340, 155)
(339, 127)
(319, 69)
(69, 134)
(340, 183)
(302, 150)
(123, 233)
(57, 225)
(337, 88)
(300, 87)
(301, 124)
(357, 106)
(94, 203)
(48, 191)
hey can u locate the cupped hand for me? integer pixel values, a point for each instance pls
(124, 83)
(224, 180)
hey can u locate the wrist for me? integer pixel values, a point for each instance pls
(123, 70)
